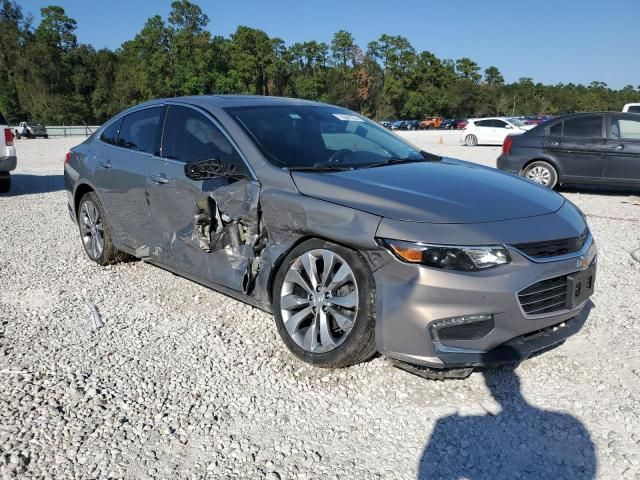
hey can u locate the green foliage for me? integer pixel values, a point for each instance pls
(45, 75)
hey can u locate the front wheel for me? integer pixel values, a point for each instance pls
(18, 136)
(471, 140)
(324, 305)
(541, 173)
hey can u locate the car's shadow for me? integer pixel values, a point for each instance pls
(521, 441)
(599, 189)
(26, 184)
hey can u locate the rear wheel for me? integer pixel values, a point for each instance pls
(95, 231)
(5, 183)
(324, 305)
(471, 140)
(542, 173)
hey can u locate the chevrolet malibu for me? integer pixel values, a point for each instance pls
(357, 241)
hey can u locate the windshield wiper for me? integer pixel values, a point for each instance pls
(426, 157)
(320, 168)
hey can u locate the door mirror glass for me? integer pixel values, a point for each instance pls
(508, 126)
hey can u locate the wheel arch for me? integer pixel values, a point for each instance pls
(275, 268)
(81, 190)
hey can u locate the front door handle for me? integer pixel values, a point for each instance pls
(106, 164)
(617, 147)
(159, 178)
(555, 144)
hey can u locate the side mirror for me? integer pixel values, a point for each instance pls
(206, 169)
(508, 126)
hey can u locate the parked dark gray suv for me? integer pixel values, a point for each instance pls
(356, 240)
(583, 148)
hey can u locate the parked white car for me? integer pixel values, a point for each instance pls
(7, 155)
(491, 130)
(631, 108)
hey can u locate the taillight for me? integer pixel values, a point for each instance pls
(506, 145)
(67, 158)
(8, 137)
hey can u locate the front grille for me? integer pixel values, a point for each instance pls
(553, 248)
(544, 297)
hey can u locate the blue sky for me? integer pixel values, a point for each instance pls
(551, 41)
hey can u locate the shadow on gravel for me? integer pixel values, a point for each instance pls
(25, 184)
(520, 441)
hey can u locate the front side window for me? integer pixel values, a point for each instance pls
(624, 129)
(310, 136)
(110, 133)
(484, 123)
(139, 130)
(189, 136)
(585, 127)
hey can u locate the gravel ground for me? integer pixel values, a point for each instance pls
(183, 382)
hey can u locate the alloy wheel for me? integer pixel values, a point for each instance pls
(319, 300)
(540, 175)
(91, 229)
(472, 140)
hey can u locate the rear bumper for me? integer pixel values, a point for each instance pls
(509, 164)
(9, 162)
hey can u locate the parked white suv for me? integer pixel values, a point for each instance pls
(7, 155)
(631, 108)
(491, 130)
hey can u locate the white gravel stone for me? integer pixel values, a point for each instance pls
(183, 382)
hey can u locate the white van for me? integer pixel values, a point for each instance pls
(632, 108)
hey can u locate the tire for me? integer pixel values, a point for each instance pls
(5, 184)
(106, 253)
(18, 136)
(349, 334)
(542, 173)
(471, 141)
(46, 136)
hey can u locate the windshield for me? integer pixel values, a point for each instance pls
(311, 136)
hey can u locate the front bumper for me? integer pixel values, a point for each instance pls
(410, 298)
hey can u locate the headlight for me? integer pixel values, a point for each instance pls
(468, 259)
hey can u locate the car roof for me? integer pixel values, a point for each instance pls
(225, 101)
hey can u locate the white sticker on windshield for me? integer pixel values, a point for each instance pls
(347, 118)
(295, 116)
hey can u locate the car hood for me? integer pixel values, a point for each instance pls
(446, 191)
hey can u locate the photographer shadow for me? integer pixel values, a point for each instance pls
(521, 441)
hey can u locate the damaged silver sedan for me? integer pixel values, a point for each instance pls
(357, 241)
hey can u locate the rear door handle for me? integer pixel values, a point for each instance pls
(555, 144)
(106, 164)
(159, 178)
(617, 147)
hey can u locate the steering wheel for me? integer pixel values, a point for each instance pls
(340, 156)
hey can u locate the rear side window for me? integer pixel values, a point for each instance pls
(624, 129)
(139, 130)
(110, 134)
(585, 127)
(189, 136)
(483, 123)
(556, 130)
(634, 109)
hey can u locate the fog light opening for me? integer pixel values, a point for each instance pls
(468, 327)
